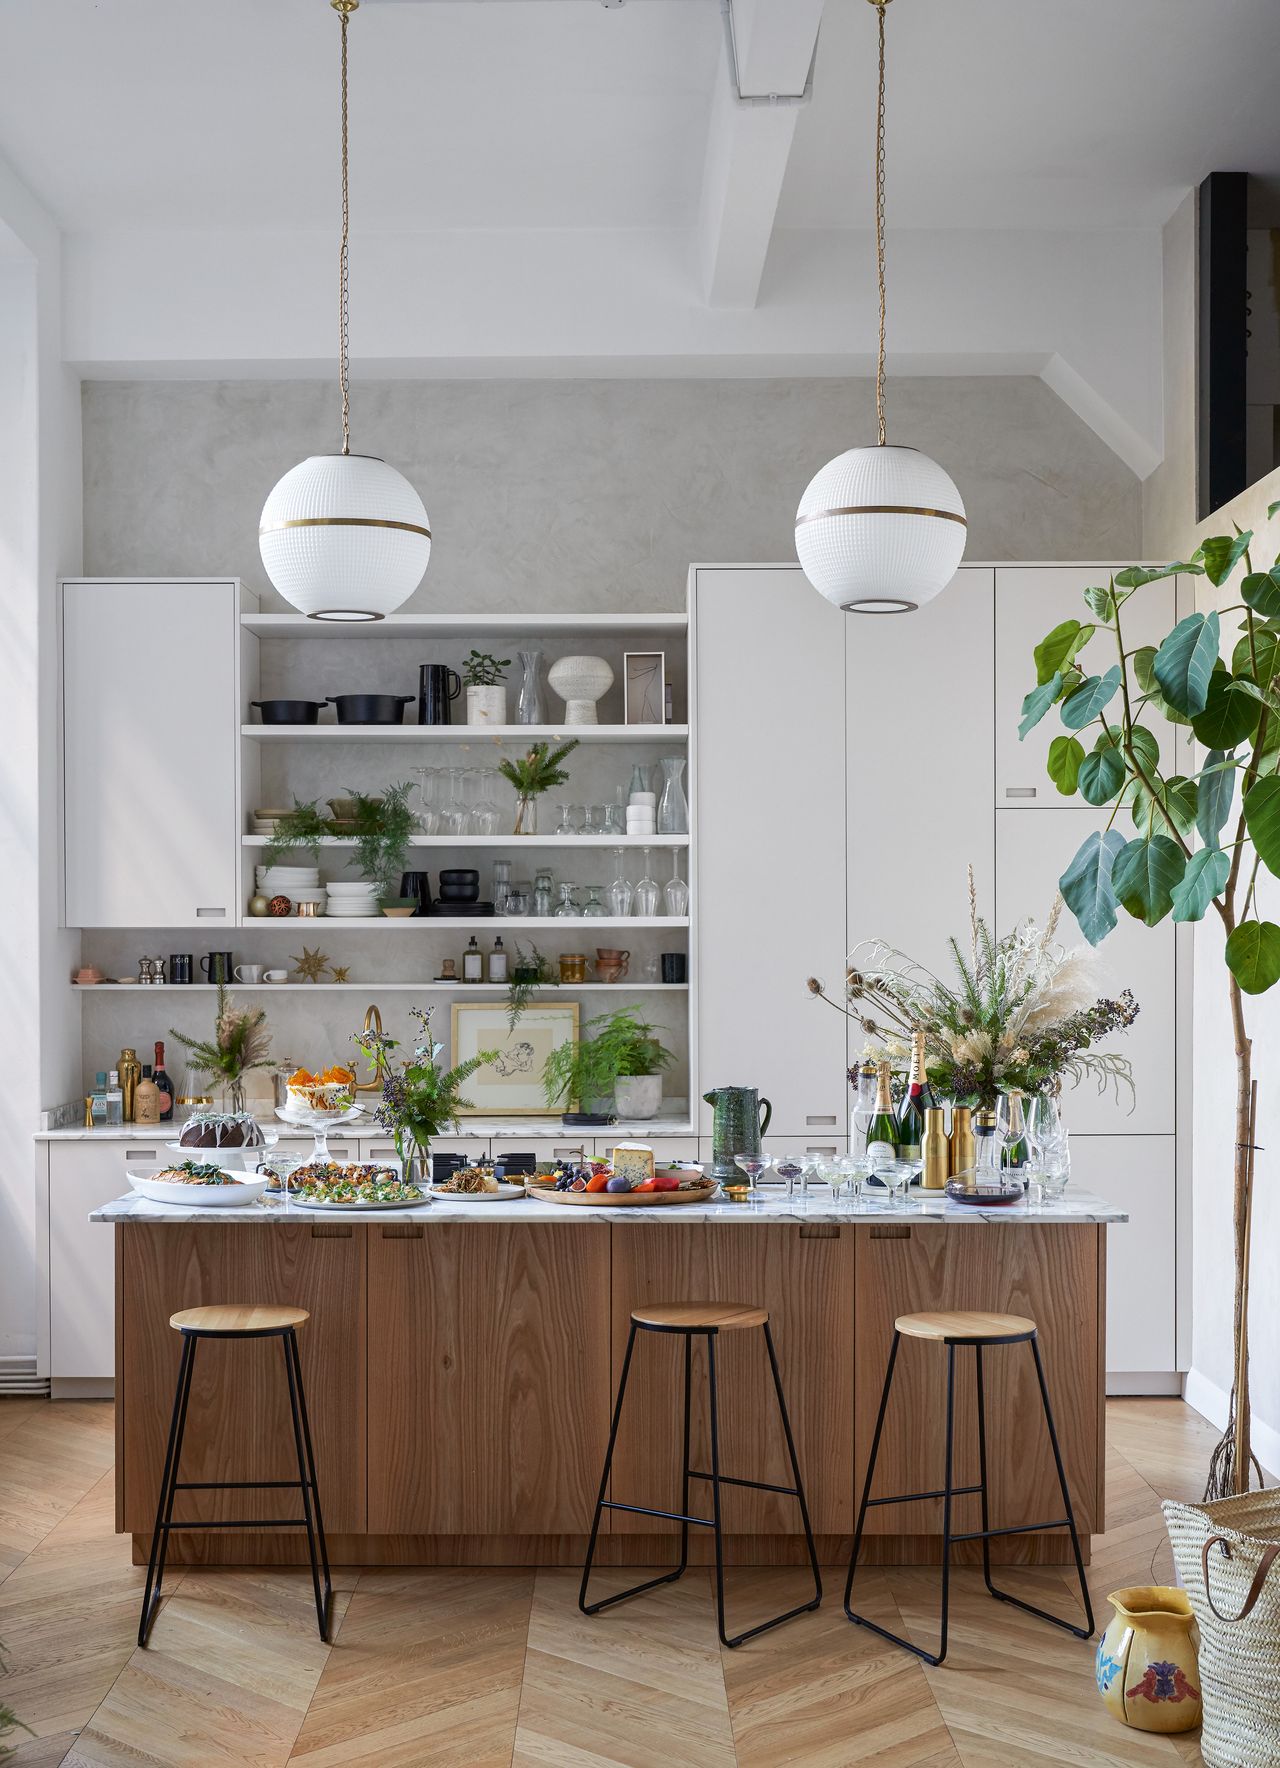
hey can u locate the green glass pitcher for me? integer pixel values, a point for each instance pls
(741, 1118)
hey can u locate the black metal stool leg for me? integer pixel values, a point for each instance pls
(867, 1482)
(795, 1474)
(307, 1482)
(1080, 1632)
(168, 1485)
(688, 1422)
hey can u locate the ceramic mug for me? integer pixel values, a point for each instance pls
(248, 972)
(217, 966)
(88, 976)
(180, 967)
(275, 976)
(611, 964)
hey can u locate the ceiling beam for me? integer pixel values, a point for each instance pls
(765, 65)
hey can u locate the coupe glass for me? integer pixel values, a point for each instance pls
(898, 1175)
(851, 1171)
(753, 1165)
(619, 893)
(676, 891)
(647, 892)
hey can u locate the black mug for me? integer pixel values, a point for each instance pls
(418, 886)
(180, 967)
(675, 967)
(438, 688)
(217, 966)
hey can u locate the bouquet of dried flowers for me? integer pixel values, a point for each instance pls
(240, 1042)
(419, 1099)
(1023, 1012)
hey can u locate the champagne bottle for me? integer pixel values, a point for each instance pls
(1016, 1152)
(911, 1112)
(882, 1131)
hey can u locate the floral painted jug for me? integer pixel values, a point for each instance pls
(1147, 1672)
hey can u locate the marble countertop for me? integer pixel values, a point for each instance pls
(483, 1129)
(1077, 1206)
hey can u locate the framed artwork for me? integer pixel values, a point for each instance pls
(511, 1086)
(644, 687)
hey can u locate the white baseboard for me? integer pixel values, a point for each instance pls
(76, 1387)
(1207, 1398)
(1158, 1385)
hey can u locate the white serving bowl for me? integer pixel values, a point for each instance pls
(244, 1190)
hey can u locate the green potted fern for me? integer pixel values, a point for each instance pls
(383, 826)
(622, 1063)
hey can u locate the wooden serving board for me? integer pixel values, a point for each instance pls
(623, 1199)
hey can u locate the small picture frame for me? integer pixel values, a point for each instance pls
(512, 1086)
(644, 687)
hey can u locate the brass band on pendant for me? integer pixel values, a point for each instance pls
(343, 522)
(881, 509)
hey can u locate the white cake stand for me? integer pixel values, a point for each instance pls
(319, 1123)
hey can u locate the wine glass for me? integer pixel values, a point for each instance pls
(454, 814)
(676, 891)
(428, 808)
(753, 1165)
(566, 909)
(564, 826)
(620, 892)
(646, 891)
(486, 813)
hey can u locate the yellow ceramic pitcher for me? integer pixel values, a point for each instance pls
(1147, 1672)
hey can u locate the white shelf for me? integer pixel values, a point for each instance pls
(464, 735)
(606, 842)
(380, 987)
(423, 923)
(462, 626)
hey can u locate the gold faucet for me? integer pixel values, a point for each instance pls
(373, 1022)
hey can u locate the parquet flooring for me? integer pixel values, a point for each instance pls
(498, 1669)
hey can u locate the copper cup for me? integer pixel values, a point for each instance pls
(611, 964)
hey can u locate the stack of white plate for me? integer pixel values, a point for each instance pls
(357, 899)
(298, 883)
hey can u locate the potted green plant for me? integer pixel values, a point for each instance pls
(383, 826)
(240, 1042)
(486, 697)
(420, 1100)
(300, 830)
(622, 1059)
(530, 971)
(536, 772)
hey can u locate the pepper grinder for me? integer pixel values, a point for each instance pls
(130, 1071)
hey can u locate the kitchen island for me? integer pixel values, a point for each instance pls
(461, 1360)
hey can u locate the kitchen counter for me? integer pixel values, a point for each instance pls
(813, 1208)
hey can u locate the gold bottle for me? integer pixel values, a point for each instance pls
(936, 1150)
(964, 1147)
(130, 1071)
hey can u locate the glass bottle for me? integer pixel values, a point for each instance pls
(646, 891)
(498, 961)
(165, 1085)
(911, 1111)
(619, 893)
(472, 962)
(673, 807)
(987, 1159)
(501, 885)
(864, 1104)
(529, 705)
(882, 1131)
(146, 1098)
(543, 886)
(115, 1101)
(593, 908)
(676, 891)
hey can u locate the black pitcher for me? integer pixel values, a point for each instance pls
(438, 688)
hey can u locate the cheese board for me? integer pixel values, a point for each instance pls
(623, 1199)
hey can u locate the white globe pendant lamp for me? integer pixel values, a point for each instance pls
(880, 530)
(344, 536)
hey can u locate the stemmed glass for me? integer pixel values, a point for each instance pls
(898, 1175)
(1050, 1145)
(676, 891)
(620, 892)
(428, 809)
(564, 826)
(566, 909)
(646, 891)
(486, 812)
(753, 1165)
(454, 814)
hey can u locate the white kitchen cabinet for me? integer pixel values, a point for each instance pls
(920, 731)
(82, 1283)
(1031, 856)
(1030, 601)
(770, 807)
(149, 705)
(1137, 1173)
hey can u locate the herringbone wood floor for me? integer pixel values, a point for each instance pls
(463, 1669)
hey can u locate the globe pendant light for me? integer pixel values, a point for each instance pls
(880, 530)
(344, 536)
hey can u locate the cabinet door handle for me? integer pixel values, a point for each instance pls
(1019, 791)
(812, 1150)
(382, 1153)
(820, 1231)
(140, 1154)
(331, 1230)
(402, 1231)
(820, 1121)
(210, 914)
(340, 1153)
(891, 1232)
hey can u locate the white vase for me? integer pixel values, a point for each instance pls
(580, 682)
(638, 1095)
(487, 705)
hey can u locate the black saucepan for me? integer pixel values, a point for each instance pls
(288, 711)
(370, 708)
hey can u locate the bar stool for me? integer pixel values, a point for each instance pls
(978, 1330)
(239, 1322)
(691, 1320)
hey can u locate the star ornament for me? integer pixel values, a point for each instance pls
(311, 966)
(340, 972)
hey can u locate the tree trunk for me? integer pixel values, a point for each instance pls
(1230, 1467)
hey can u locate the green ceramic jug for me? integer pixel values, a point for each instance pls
(741, 1118)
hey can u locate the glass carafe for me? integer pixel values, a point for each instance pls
(673, 807)
(529, 705)
(647, 891)
(676, 892)
(620, 892)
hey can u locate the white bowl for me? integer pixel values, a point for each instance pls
(244, 1190)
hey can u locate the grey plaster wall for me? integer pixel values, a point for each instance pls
(583, 494)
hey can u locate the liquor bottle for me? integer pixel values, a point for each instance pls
(146, 1098)
(911, 1111)
(882, 1131)
(1016, 1152)
(498, 961)
(936, 1151)
(130, 1071)
(472, 962)
(164, 1084)
(964, 1148)
(115, 1101)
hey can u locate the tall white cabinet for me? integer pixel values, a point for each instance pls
(848, 770)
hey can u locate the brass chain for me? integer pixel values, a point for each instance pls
(880, 6)
(344, 9)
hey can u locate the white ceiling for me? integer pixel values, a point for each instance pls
(193, 114)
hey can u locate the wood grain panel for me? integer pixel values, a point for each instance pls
(238, 1424)
(807, 1285)
(1048, 1273)
(489, 1377)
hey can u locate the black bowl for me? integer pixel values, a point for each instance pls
(460, 875)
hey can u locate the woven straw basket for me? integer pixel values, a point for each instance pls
(1226, 1555)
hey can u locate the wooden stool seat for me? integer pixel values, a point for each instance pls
(235, 1317)
(970, 1327)
(700, 1316)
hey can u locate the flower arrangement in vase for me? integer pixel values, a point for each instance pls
(240, 1043)
(420, 1100)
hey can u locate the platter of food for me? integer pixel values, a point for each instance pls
(340, 1185)
(634, 1179)
(477, 1184)
(198, 1184)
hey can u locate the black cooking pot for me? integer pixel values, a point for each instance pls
(288, 711)
(370, 708)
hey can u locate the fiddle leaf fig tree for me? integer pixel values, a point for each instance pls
(1181, 846)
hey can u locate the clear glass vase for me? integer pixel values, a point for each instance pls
(526, 815)
(673, 806)
(529, 706)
